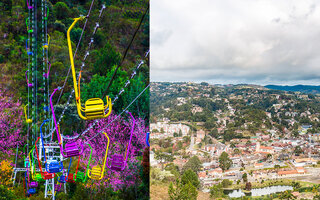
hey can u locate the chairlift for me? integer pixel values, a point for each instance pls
(46, 45)
(44, 174)
(94, 107)
(71, 149)
(27, 23)
(117, 162)
(147, 139)
(82, 176)
(25, 114)
(28, 84)
(97, 172)
(54, 166)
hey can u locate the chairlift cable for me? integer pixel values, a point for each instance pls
(124, 110)
(126, 51)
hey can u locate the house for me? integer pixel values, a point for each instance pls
(301, 170)
(300, 162)
(290, 173)
(217, 172)
(264, 149)
(202, 174)
(258, 165)
(200, 134)
(287, 173)
(196, 109)
(209, 147)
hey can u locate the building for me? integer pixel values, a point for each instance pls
(264, 149)
(168, 129)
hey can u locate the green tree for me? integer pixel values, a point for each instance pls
(287, 195)
(295, 185)
(182, 191)
(174, 169)
(248, 186)
(295, 133)
(105, 59)
(75, 34)
(236, 151)
(277, 167)
(61, 10)
(180, 133)
(226, 183)
(161, 130)
(216, 191)
(163, 157)
(269, 156)
(175, 134)
(298, 150)
(194, 164)
(245, 177)
(224, 161)
(190, 176)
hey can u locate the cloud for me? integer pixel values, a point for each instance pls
(231, 41)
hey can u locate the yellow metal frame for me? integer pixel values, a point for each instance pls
(25, 113)
(96, 172)
(31, 164)
(94, 108)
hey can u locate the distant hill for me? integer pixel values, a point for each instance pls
(311, 89)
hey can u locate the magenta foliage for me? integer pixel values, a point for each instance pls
(10, 124)
(119, 134)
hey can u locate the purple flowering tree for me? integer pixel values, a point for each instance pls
(11, 117)
(119, 135)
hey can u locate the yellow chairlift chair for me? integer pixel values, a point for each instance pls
(25, 113)
(94, 107)
(97, 172)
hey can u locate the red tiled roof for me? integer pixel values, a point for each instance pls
(287, 172)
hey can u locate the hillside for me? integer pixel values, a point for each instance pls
(244, 107)
(307, 89)
(116, 28)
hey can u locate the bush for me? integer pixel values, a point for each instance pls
(6, 194)
(226, 183)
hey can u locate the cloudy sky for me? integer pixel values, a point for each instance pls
(233, 41)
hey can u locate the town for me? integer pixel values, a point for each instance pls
(247, 135)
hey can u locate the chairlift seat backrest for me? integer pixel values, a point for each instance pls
(55, 167)
(33, 184)
(71, 149)
(32, 191)
(80, 177)
(117, 162)
(48, 175)
(70, 178)
(39, 177)
(94, 108)
(96, 172)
